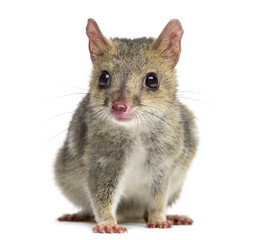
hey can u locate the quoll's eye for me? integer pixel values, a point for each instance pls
(151, 81)
(104, 80)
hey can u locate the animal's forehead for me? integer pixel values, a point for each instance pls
(131, 52)
(132, 45)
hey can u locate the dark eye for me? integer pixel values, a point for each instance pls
(104, 80)
(151, 81)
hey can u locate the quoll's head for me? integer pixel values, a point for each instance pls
(133, 80)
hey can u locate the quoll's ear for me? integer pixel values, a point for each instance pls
(169, 41)
(98, 44)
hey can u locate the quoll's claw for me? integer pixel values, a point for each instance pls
(160, 224)
(180, 220)
(101, 228)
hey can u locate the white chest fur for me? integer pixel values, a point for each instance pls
(136, 180)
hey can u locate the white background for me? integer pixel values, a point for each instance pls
(44, 72)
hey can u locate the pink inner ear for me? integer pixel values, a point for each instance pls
(97, 42)
(169, 41)
(92, 31)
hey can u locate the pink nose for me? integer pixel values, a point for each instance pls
(119, 107)
(120, 111)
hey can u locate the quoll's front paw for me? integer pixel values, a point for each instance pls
(159, 224)
(108, 228)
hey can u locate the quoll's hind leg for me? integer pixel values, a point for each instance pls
(76, 217)
(179, 220)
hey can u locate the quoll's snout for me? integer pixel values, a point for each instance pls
(120, 111)
(119, 107)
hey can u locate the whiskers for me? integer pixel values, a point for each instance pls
(97, 112)
(53, 137)
(58, 115)
(150, 114)
(57, 112)
(191, 95)
(70, 94)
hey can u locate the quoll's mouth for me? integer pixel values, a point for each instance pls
(121, 111)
